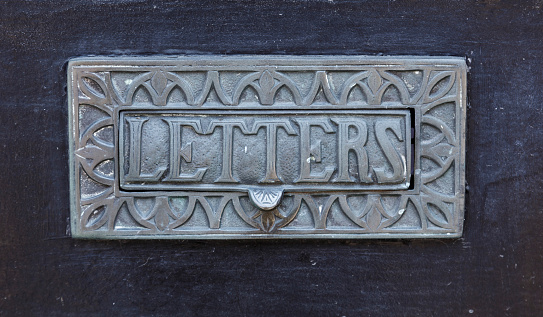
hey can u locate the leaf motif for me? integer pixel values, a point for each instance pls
(266, 82)
(436, 212)
(96, 153)
(104, 135)
(92, 87)
(96, 217)
(268, 220)
(159, 82)
(97, 214)
(374, 81)
(439, 85)
(374, 219)
(443, 149)
(438, 215)
(162, 219)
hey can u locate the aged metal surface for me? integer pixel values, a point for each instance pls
(267, 147)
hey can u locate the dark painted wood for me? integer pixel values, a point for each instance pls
(495, 269)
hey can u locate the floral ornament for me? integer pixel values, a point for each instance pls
(272, 219)
(159, 84)
(95, 151)
(99, 209)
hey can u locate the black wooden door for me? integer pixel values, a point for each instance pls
(496, 268)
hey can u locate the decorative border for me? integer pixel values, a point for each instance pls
(433, 82)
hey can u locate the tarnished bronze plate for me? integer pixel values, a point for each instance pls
(267, 147)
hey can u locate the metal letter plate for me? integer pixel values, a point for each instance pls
(243, 147)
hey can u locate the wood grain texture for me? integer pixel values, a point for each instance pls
(495, 269)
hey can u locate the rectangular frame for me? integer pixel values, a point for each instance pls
(434, 89)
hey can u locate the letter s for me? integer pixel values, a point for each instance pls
(398, 165)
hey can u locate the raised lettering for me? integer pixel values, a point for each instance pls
(134, 159)
(227, 140)
(396, 161)
(355, 144)
(178, 152)
(271, 145)
(310, 151)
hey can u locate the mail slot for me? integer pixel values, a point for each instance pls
(326, 150)
(267, 147)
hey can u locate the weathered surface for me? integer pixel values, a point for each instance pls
(494, 269)
(267, 147)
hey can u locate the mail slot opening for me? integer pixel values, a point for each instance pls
(331, 150)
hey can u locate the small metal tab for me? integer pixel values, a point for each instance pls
(267, 147)
(266, 199)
